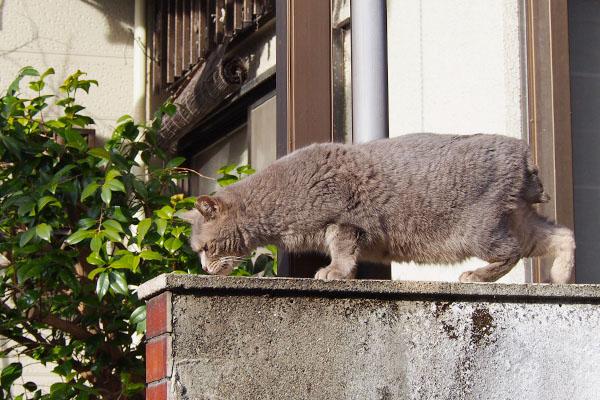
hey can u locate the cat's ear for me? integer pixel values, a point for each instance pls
(189, 216)
(209, 206)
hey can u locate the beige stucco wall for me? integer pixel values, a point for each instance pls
(456, 67)
(93, 36)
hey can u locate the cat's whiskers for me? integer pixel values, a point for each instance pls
(232, 258)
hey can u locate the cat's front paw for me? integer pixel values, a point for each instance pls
(470, 277)
(328, 274)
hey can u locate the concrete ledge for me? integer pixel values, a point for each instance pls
(376, 288)
(278, 338)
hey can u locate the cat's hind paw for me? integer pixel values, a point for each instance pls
(470, 277)
(328, 274)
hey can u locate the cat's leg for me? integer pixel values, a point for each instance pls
(501, 248)
(540, 237)
(342, 242)
(491, 272)
(559, 242)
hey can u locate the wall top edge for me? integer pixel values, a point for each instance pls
(444, 291)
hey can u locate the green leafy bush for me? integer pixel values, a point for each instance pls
(80, 229)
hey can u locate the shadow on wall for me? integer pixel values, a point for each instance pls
(120, 23)
(1, 12)
(119, 18)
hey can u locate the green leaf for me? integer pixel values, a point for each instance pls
(165, 213)
(124, 118)
(138, 315)
(44, 231)
(161, 226)
(118, 283)
(226, 169)
(140, 187)
(111, 174)
(150, 255)
(45, 200)
(176, 162)
(95, 272)
(143, 228)
(89, 190)
(56, 390)
(173, 244)
(245, 169)
(96, 243)
(99, 152)
(169, 109)
(106, 195)
(25, 71)
(227, 180)
(28, 271)
(114, 185)
(26, 237)
(118, 214)
(240, 272)
(177, 231)
(70, 280)
(79, 236)
(66, 101)
(10, 373)
(95, 259)
(12, 145)
(113, 225)
(112, 235)
(30, 386)
(64, 170)
(49, 71)
(86, 223)
(102, 285)
(75, 140)
(128, 261)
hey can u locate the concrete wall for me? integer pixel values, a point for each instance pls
(94, 37)
(456, 67)
(249, 338)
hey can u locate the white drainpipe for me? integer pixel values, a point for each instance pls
(139, 74)
(369, 70)
(139, 62)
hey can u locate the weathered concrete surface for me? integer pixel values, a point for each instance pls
(244, 338)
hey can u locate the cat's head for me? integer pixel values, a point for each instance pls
(220, 248)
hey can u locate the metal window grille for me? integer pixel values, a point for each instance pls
(185, 31)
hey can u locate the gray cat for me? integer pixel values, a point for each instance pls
(422, 197)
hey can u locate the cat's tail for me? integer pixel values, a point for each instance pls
(533, 192)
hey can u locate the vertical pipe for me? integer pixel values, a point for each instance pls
(369, 70)
(139, 62)
(140, 74)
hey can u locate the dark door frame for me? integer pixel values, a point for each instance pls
(304, 92)
(549, 96)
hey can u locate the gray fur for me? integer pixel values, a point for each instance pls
(422, 197)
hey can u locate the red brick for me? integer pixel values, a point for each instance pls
(158, 315)
(157, 391)
(158, 359)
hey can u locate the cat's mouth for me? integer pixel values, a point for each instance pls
(223, 266)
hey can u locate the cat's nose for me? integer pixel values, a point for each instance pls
(205, 268)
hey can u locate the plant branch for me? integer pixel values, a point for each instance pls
(194, 172)
(63, 325)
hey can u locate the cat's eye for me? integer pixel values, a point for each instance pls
(205, 248)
